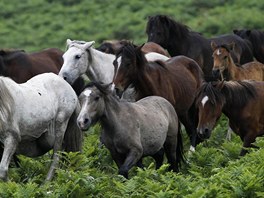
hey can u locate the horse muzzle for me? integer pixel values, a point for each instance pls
(84, 124)
(216, 73)
(204, 133)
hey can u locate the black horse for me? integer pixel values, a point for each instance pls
(256, 39)
(178, 39)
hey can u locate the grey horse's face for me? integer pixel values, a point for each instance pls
(75, 60)
(92, 108)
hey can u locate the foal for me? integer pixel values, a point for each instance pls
(225, 67)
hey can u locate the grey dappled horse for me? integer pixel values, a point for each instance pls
(132, 130)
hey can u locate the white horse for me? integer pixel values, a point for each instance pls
(34, 119)
(82, 58)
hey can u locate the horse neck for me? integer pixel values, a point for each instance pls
(110, 116)
(232, 68)
(144, 83)
(101, 67)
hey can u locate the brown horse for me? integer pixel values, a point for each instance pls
(241, 101)
(178, 39)
(114, 46)
(177, 80)
(21, 66)
(256, 39)
(225, 67)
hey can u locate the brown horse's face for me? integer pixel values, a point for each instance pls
(209, 113)
(123, 75)
(221, 60)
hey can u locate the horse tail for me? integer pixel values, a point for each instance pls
(179, 149)
(6, 103)
(73, 137)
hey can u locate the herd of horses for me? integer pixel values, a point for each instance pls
(139, 94)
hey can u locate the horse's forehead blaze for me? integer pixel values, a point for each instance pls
(218, 52)
(87, 92)
(204, 100)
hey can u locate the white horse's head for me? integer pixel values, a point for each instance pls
(76, 60)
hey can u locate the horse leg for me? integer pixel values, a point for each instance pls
(132, 158)
(159, 157)
(60, 128)
(248, 140)
(10, 145)
(170, 151)
(189, 121)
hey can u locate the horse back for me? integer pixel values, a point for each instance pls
(186, 77)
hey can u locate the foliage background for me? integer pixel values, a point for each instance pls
(215, 170)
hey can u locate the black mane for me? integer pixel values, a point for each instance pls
(169, 26)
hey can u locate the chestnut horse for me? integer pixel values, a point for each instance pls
(177, 80)
(256, 39)
(21, 66)
(114, 46)
(225, 67)
(178, 39)
(241, 101)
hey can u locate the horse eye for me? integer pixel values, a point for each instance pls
(77, 56)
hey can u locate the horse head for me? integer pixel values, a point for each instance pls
(132, 59)
(222, 58)
(210, 103)
(161, 29)
(76, 60)
(92, 104)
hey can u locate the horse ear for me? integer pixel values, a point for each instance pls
(87, 45)
(231, 46)
(213, 45)
(68, 42)
(248, 32)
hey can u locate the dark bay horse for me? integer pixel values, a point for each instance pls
(132, 130)
(21, 66)
(225, 67)
(241, 101)
(114, 46)
(178, 79)
(178, 39)
(256, 39)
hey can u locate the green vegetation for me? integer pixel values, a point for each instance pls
(214, 170)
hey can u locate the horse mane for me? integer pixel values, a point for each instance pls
(170, 26)
(235, 93)
(4, 52)
(6, 104)
(256, 37)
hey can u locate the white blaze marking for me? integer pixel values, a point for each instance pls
(204, 100)
(218, 52)
(87, 93)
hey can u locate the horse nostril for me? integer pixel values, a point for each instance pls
(86, 120)
(206, 130)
